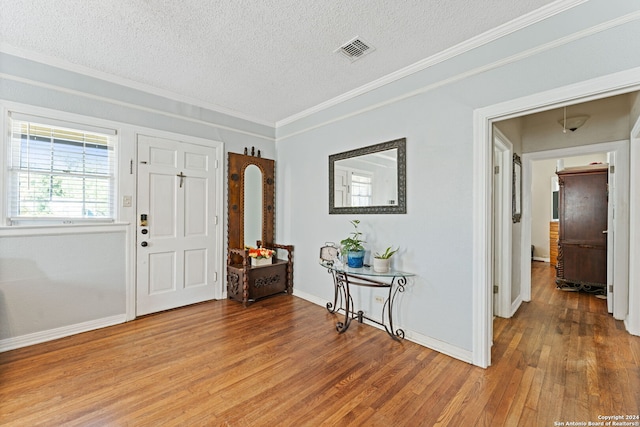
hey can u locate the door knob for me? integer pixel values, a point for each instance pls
(605, 231)
(144, 244)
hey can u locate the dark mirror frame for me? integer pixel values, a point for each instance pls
(516, 190)
(401, 207)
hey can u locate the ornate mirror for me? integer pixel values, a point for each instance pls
(251, 200)
(252, 205)
(369, 180)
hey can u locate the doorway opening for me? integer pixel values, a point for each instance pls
(483, 204)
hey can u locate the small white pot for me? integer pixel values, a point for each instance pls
(381, 265)
(256, 262)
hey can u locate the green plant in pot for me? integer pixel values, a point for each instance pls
(352, 246)
(382, 261)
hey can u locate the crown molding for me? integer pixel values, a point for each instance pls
(470, 44)
(86, 95)
(634, 16)
(101, 75)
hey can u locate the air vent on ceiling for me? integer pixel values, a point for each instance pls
(355, 49)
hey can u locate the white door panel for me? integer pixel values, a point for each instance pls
(159, 156)
(176, 249)
(195, 271)
(162, 272)
(196, 161)
(162, 202)
(195, 207)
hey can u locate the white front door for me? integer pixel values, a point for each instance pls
(176, 231)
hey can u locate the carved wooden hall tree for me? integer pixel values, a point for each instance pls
(251, 218)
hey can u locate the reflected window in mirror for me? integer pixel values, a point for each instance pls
(361, 189)
(252, 205)
(369, 180)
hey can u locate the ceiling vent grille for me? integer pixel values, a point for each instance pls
(355, 49)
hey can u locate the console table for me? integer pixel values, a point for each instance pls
(344, 277)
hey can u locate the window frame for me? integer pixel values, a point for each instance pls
(59, 120)
(368, 185)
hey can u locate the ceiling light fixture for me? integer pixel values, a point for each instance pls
(572, 123)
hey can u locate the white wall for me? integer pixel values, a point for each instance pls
(634, 109)
(433, 109)
(52, 281)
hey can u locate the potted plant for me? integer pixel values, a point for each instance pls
(382, 261)
(352, 246)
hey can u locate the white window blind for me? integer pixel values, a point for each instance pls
(361, 189)
(60, 172)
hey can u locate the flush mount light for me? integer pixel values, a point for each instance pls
(572, 123)
(355, 49)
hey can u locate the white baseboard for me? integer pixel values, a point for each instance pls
(311, 298)
(515, 305)
(627, 325)
(64, 331)
(423, 340)
(440, 346)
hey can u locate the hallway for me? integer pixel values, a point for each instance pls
(578, 361)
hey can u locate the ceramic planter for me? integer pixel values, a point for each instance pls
(355, 259)
(256, 262)
(381, 265)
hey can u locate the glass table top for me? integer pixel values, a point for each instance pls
(364, 271)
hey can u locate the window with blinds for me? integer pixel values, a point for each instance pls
(60, 172)
(361, 189)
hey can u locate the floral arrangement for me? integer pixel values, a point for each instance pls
(259, 253)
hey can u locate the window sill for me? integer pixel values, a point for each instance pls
(42, 230)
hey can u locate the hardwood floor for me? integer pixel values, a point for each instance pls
(562, 358)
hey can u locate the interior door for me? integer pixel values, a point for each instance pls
(610, 230)
(341, 188)
(176, 232)
(502, 226)
(497, 230)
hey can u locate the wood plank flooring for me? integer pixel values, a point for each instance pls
(562, 358)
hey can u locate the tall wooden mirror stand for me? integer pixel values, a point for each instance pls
(251, 218)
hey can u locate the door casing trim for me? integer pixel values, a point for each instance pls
(483, 118)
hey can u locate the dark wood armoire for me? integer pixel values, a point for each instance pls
(582, 234)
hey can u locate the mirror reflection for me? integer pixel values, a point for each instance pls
(369, 180)
(252, 205)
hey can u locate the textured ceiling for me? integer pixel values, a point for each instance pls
(263, 59)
